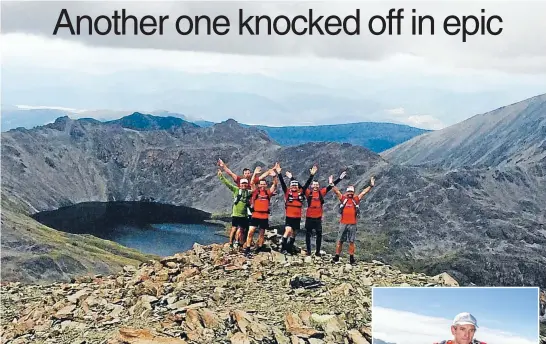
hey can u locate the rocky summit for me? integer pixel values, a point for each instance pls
(481, 225)
(210, 294)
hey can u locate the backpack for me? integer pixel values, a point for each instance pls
(310, 198)
(289, 198)
(255, 194)
(237, 198)
(357, 207)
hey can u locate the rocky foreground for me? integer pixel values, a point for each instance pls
(207, 295)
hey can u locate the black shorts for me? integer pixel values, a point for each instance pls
(294, 222)
(239, 222)
(311, 223)
(259, 223)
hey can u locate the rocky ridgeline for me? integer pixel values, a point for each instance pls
(207, 295)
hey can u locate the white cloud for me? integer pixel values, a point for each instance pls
(59, 54)
(519, 48)
(400, 115)
(396, 111)
(424, 121)
(38, 70)
(402, 327)
(42, 107)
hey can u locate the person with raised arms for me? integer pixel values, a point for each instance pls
(294, 198)
(246, 174)
(349, 209)
(313, 215)
(240, 209)
(241, 233)
(260, 204)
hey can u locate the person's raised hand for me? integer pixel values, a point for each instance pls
(288, 174)
(278, 168)
(343, 174)
(220, 163)
(372, 181)
(331, 180)
(313, 170)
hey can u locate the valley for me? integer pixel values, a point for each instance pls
(482, 222)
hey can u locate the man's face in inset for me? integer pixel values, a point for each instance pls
(463, 334)
(247, 173)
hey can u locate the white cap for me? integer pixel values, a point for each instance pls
(350, 188)
(244, 180)
(294, 183)
(465, 319)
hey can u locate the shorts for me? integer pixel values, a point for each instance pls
(259, 223)
(347, 233)
(311, 223)
(294, 222)
(239, 222)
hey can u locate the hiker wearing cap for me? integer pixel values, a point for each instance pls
(350, 211)
(315, 203)
(463, 329)
(293, 200)
(260, 203)
(240, 210)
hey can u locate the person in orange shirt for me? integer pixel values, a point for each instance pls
(256, 177)
(260, 203)
(294, 197)
(315, 202)
(463, 329)
(350, 211)
(313, 216)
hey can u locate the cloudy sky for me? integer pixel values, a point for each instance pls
(424, 315)
(428, 81)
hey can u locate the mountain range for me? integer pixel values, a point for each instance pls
(481, 219)
(372, 135)
(513, 135)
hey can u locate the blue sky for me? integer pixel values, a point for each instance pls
(513, 310)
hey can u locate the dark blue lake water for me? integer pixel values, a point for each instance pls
(165, 239)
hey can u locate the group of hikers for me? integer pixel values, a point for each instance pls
(252, 208)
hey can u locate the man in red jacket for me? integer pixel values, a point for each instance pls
(463, 329)
(313, 216)
(350, 212)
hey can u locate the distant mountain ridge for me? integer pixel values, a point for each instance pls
(139, 121)
(376, 136)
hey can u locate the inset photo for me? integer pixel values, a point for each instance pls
(458, 315)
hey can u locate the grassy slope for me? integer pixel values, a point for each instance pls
(49, 254)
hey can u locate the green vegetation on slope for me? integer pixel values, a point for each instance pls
(43, 254)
